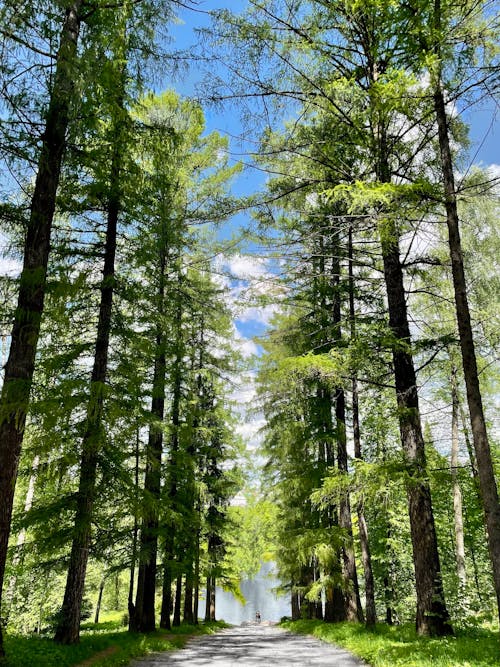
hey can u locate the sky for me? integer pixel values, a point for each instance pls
(251, 272)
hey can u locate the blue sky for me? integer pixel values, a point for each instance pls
(484, 136)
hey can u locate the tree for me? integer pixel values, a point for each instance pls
(26, 327)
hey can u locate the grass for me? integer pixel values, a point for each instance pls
(400, 645)
(109, 635)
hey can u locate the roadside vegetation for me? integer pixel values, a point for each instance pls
(105, 644)
(390, 646)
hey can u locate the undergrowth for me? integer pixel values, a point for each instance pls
(111, 638)
(387, 646)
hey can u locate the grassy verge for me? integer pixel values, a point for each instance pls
(392, 646)
(106, 644)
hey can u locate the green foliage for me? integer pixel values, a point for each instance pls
(400, 645)
(105, 644)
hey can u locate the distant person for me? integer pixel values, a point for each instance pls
(257, 616)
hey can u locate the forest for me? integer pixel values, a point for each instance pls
(276, 341)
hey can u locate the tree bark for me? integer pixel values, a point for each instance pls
(457, 492)
(135, 535)
(370, 610)
(99, 600)
(20, 364)
(176, 621)
(68, 629)
(144, 611)
(173, 470)
(486, 474)
(432, 615)
(188, 596)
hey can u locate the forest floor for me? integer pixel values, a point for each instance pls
(253, 645)
(397, 646)
(106, 644)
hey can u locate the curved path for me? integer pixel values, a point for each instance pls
(253, 646)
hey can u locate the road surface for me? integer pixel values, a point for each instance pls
(253, 646)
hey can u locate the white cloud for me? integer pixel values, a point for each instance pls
(262, 314)
(10, 267)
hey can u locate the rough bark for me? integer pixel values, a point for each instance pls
(486, 474)
(68, 629)
(432, 615)
(20, 364)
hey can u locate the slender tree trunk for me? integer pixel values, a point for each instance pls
(212, 598)
(295, 605)
(468, 444)
(21, 538)
(173, 471)
(99, 600)
(354, 611)
(144, 612)
(487, 482)
(135, 535)
(208, 598)
(166, 600)
(432, 615)
(20, 364)
(176, 621)
(457, 492)
(196, 601)
(188, 595)
(371, 614)
(68, 630)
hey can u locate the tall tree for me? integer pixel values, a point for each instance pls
(20, 364)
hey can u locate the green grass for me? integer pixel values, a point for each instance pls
(400, 645)
(43, 652)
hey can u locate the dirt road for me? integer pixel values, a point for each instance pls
(253, 646)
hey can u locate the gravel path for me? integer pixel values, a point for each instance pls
(253, 646)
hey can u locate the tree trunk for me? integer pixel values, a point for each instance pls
(99, 600)
(371, 614)
(169, 528)
(20, 364)
(212, 599)
(196, 601)
(176, 621)
(135, 534)
(166, 600)
(144, 612)
(68, 630)
(432, 616)
(21, 539)
(208, 598)
(295, 605)
(354, 611)
(457, 492)
(487, 482)
(188, 595)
